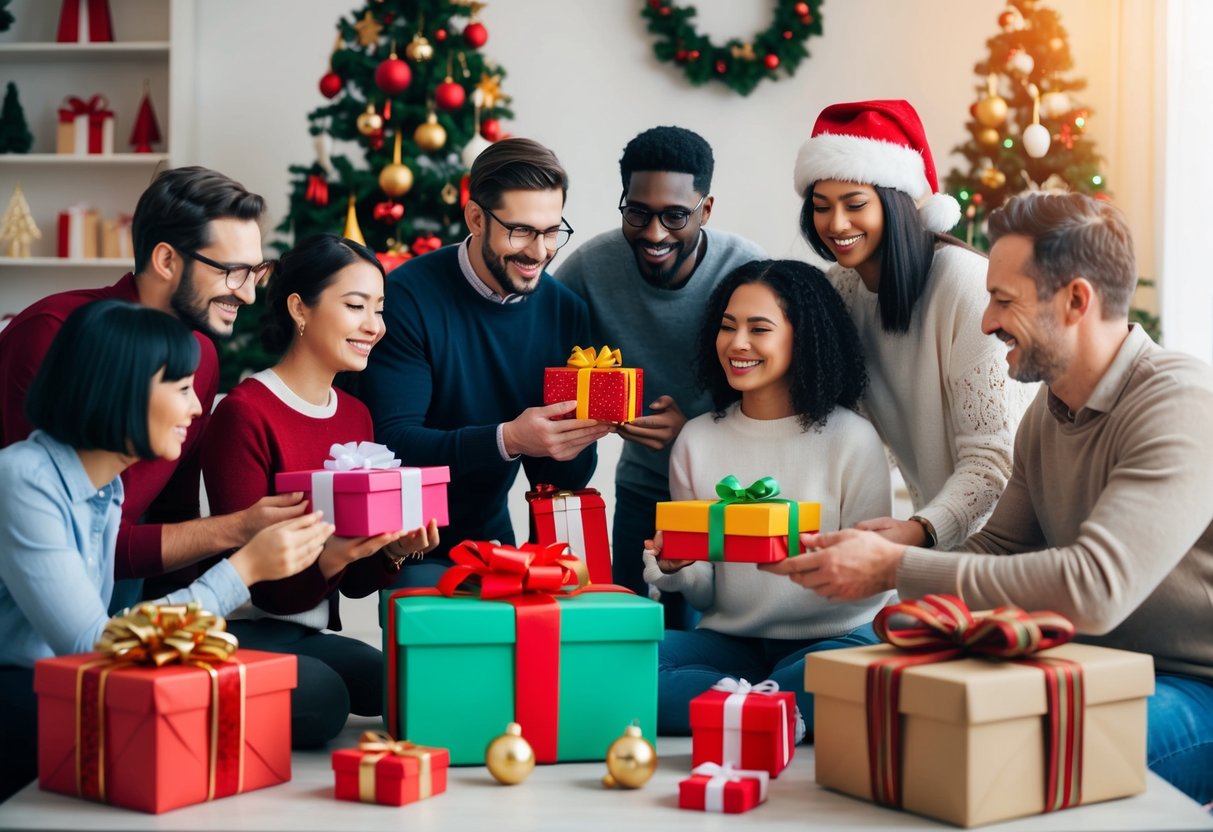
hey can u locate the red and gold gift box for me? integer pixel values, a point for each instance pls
(604, 389)
(85, 127)
(156, 738)
(78, 232)
(716, 788)
(390, 772)
(974, 718)
(743, 725)
(577, 518)
(746, 525)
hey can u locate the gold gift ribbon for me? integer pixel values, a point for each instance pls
(379, 744)
(589, 359)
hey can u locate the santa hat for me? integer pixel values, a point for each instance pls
(877, 143)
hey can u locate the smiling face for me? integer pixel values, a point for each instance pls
(171, 407)
(505, 269)
(849, 219)
(202, 299)
(754, 343)
(665, 258)
(346, 322)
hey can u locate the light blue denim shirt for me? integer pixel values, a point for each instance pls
(57, 537)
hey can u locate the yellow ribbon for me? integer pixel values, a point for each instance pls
(592, 359)
(589, 359)
(166, 633)
(379, 744)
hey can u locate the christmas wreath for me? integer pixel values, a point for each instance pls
(739, 64)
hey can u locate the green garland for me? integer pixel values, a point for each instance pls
(740, 65)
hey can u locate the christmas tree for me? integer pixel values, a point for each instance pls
(1025, 132)
(15, 136)
(17, 226)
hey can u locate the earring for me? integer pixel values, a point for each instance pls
(300, 330)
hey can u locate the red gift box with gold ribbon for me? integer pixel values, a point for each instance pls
(390, 772)
(166, 715)
(973, 718)
(604, 389)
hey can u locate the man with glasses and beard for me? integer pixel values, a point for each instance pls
(458, 378)
(646, 289)
(197, 246)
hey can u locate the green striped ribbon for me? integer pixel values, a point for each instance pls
(731, 492)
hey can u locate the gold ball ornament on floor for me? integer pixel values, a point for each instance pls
(631, 760)
(396, 179)
(509, 757)
(370, 122)
(430, 135)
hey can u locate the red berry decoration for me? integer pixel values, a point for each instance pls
(490, 128)
(393, 76)
(801, 9)
(664, 11)
(787, 34)
(771, 61)
(978, 199)
(476, 35)
(449, 95)
(721, 67)
(681, 56)
(331, 84)
(440, 35)
(376, 140)
(693, 55)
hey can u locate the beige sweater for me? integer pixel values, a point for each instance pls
(1108, 516)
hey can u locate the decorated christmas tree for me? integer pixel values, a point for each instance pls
(15, 136)
(1026, 130)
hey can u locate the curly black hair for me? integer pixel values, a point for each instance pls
(827, 368)
(672, 149)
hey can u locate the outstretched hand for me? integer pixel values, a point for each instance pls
(843, 566)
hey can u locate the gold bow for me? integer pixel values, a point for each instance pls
(160, 634)
(590, 358)
(379, 744)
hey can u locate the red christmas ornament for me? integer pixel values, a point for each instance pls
(771, 61)
(490, 128)
(392, 259)
(787, 34)
(465, 190)
(681, 56)
(449, 95)
(801, 9)
(146, 131)
(664, 11)
(393, 76)
(721, 67)
(376, 140)
(317, 190)
(978, 199)
(440, 35)
(476, 35)
(425, 244)
(693, 55)
(389, 211)
(331, 84)
(656, 4)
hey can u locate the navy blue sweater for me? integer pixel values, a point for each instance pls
(452, 366)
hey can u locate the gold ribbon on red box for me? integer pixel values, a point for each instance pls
(943, 628)
(379, 745)
(589, 359)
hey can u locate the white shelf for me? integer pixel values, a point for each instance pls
(117, 51)
(82, 159)
(69, 262)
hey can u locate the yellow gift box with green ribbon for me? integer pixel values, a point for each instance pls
(603, 388)
(746, 525)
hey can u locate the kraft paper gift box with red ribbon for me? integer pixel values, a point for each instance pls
(573, 664)
(746, 525)
(744, 725)
(364, 491)
(116, 238)
(577, 518)
(973, 718)
(169, 713)
(85, 21)
(390, 772)
(604, 389)
(78, 232)
(717, 788)
(85, 127)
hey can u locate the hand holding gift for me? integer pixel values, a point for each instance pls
(283, 549)
(657, 430)
(547, 432)
(602, 388)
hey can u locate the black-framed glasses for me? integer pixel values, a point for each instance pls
(235, 275)
(674, 219)
(521, 236)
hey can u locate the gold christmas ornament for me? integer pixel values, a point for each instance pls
(991, 111)
(419, 49)
(631, 760)
(430, 135)
(396, 179)
(490, 91)
(352, 230)
(509, 757)
(370, 122)
(993, 178)
(449, 193)
(988, 136)
(368, 29)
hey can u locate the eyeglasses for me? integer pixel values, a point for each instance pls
(674, 219)
(235, 275)
(521, 236)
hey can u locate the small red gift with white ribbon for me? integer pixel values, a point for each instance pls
(723, 788)
(749, 726)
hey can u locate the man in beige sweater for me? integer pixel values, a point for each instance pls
(1107, 516)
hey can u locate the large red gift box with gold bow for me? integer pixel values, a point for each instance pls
(604, 390)
(750, 727)
(1002, 732)
(390, 772)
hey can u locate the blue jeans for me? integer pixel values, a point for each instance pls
(635, 522)
(1179, 744)
(691, 661)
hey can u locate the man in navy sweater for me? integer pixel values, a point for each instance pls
(458, 378)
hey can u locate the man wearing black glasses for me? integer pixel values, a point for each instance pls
(197, 246)
(646, 289)
(458, 378)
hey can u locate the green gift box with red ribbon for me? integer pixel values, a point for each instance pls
(973, 718)
(573, 663)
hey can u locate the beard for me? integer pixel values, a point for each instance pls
(193, 310)
(497, 266)
(663, 277)
(1042, 360)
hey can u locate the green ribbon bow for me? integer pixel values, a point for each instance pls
(731, 492)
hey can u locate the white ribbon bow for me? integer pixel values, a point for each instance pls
(350, 456)
(367, 456)
(720, 775)
(730, 685)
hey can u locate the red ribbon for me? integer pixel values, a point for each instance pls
(506, 571)
(100, 27)
(943, 629)
(317, 190)
(96, 108)
(425, 244)
(388, 211)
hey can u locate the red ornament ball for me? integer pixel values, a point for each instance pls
(476, 35)
(801, 9)
(978, 199)
(721, 67)
(693, 55)
(787, 34)
(771, 61)
(393, 76)
(440, 35)
(681, 56)
(449, 95)
(331, 84)
(655, 3)
(664, 11)
(376, 140)
(490, 128)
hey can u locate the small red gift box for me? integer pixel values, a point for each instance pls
(577, 518)
(364, 497)
(604, 390)
(387, 771)
(748, 726)
(85, 21)
(158, 738)
(78, 232)
(714, 788)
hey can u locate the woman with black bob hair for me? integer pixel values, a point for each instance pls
(323, 314)
(116, 386)
(939, 394)
(782, 362)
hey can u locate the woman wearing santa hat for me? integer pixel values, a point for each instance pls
(939, 394)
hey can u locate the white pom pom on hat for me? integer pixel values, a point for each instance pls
(877, 143)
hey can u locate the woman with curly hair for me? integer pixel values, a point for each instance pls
(782, 362)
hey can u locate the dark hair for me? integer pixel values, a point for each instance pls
(827, 368)
(92, 389)
(672, 149)
(306, 270)
(1073, 236)
(179, 205)
(906, 253)
(514, 165)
